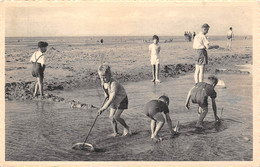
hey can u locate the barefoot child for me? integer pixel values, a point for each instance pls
(158, 111)
(200, 44)
(199, 95)
(39, 58)
(154, 50)
(117, 99)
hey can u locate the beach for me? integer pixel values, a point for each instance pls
(45, 129)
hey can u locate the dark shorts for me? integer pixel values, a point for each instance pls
(202, 57)
(229, 37)
(157, 117)
(39, 71)
(123, 104)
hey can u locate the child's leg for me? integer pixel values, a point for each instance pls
(41, 85)
(196, 73)
(119, 119)
(36, 86)
(201, 73)
(159, 124)
(203, 112)
(113, 121)
(153, 125)
(157, 72)
(153, 71)
(122, 121)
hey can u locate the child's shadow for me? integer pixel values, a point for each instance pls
(209, 127)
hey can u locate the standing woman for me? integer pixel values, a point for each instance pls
(38, 59)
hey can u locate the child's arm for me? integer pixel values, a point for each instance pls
(150, 50)
(206, 42)
(214, 107)
(110, 99)
(169, 122)
(187, 103)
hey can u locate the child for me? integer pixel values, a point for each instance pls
(201, 44)
(229, 38)
(117, 99)
(154, 50)
(38, 57)
(199, 95)
(154, 109)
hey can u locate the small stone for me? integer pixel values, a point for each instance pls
(246, 139)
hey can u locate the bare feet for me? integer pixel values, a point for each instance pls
(156, 139)
(153, 80)
(157, 80)
(114, 134)
(199, 125)
(127, 131)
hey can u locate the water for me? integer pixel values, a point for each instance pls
(94, 40)
(39, 131)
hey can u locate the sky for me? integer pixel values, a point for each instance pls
(122, 19)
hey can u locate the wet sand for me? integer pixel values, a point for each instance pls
(73, 62)
(46, 131)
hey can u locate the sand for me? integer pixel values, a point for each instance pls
(71, 65)
(45, 129)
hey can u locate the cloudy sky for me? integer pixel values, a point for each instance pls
(125, 19)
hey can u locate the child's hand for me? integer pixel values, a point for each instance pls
(217, 119)
(187, 106)
(100, 111)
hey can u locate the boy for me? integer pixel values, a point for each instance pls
(154, 50)
(229, 38)
(39, 58)
(117, 99)
(199, 95)
(154, 109)
(201, 43)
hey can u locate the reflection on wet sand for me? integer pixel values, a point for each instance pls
(38, 130)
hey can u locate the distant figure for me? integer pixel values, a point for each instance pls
(194, 34)
(200, 44)
(154, 50)
(39, 58)
(116, 99)
(199, 95)
(158, 112)
(101, 41)
(230, 37)
(189, 36)
(185, 36)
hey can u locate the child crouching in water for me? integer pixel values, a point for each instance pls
(158, 111)
(117, 99)
(199, 94)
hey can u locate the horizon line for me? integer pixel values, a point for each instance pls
(107, 36)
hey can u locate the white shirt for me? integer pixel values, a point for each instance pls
(200, 41)
(155, 50)
(230, 33)
(36, 55)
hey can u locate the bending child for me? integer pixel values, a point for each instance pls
(158, 111)
(154, 50)
(199, 95)
(117, 99)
